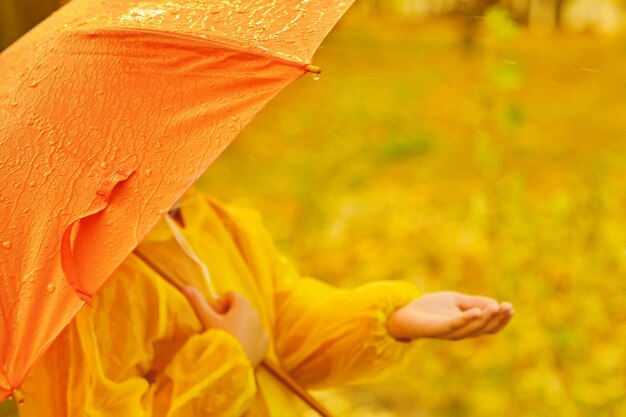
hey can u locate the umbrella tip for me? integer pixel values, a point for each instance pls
(314, 69)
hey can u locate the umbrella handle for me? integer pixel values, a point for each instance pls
(295, 387)
(273, 368)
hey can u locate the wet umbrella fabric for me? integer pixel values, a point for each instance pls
(109, 111)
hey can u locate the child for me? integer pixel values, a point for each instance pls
(146, 349)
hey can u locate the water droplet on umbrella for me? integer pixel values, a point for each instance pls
(32, 183)
(51, 288)
(103, 165)
(157, 145)
(7, 244)
(148, 172)
(316, 77)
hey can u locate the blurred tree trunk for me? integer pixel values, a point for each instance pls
(377, 6)
(473, 13)
(19, 16)
(546, 14)
(558, 13)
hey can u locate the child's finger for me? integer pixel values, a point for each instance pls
(508, 307)
(466, 302)
(222, 306)
(493, 324)
(237, 303)
(474, 327)
(225, 303)
(503, 323)
(506, 310)
(496, 323)
(459, 322)
(205, 313)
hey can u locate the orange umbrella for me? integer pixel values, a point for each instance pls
(109, 111)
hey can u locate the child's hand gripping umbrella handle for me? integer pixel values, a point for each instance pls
(273, 368)
(217, 308)
(235, 315)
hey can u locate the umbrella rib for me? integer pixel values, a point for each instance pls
(214, 41)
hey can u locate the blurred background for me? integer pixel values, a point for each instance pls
(475, 145)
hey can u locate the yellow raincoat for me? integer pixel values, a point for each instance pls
(140, 351)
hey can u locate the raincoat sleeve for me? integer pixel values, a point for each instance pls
(140, 360)
(209, 376)
(325, 336)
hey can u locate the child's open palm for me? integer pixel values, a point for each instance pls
(449, 315)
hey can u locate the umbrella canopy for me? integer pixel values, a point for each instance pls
(109, 111)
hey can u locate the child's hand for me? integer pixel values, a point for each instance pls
(449, 315)
(235, 315)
